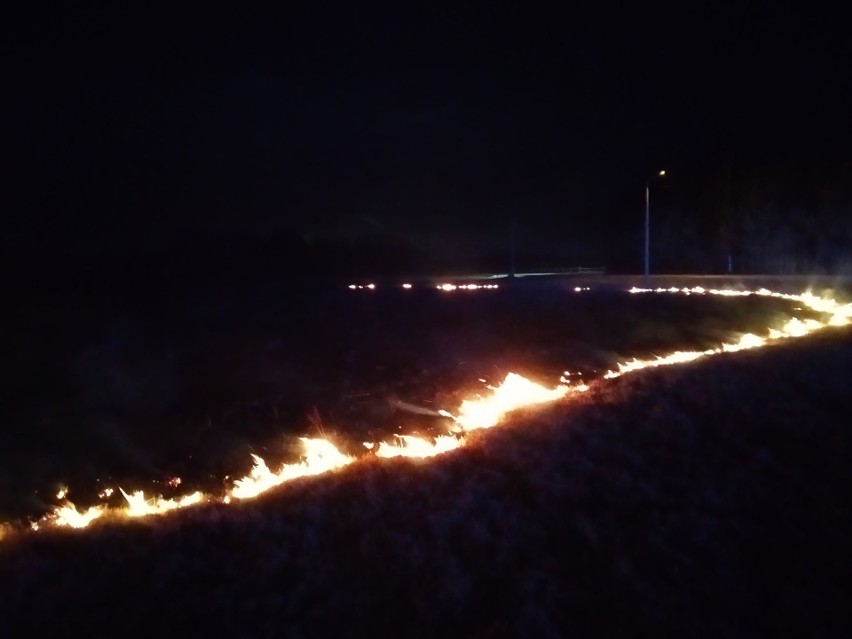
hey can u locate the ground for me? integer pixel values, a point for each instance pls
(698, 500)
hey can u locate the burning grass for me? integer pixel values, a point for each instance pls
(320, 456)
(700, 500)
(648, 497)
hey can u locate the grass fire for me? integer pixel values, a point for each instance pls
(477, 475)
(515, 392)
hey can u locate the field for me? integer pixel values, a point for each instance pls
(703, 499)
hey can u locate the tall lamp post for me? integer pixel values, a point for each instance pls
(648, 230)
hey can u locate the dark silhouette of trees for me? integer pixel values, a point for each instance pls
(779, 218)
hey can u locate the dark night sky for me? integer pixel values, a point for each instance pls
(128, 127)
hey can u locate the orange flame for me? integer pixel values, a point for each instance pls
(68, 515)
(794, 327)
(321, 456)
(515, 392)
(140, 506)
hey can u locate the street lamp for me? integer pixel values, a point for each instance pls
(648, 229)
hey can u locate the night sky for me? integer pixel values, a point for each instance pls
(131, 128)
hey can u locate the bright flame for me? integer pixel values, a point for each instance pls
(515, 392)
(794, 327)
(68, 515)
(137, 506)
(140, 506)
(798, 328)
(678, 357)
(749, 340)
(320, 456)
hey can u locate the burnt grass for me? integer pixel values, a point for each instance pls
(709, 499)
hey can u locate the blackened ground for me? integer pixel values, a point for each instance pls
(703, 500)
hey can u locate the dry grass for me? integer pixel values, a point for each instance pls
(703, 500)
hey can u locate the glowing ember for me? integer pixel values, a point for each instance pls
(418, 447)
(565, 379)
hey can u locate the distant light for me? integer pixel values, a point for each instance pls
(662, 172)
(371, 286)
(406, 286)
(465, 287)
(352, 286)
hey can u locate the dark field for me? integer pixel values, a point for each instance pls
(134, 391)
(700, 500)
